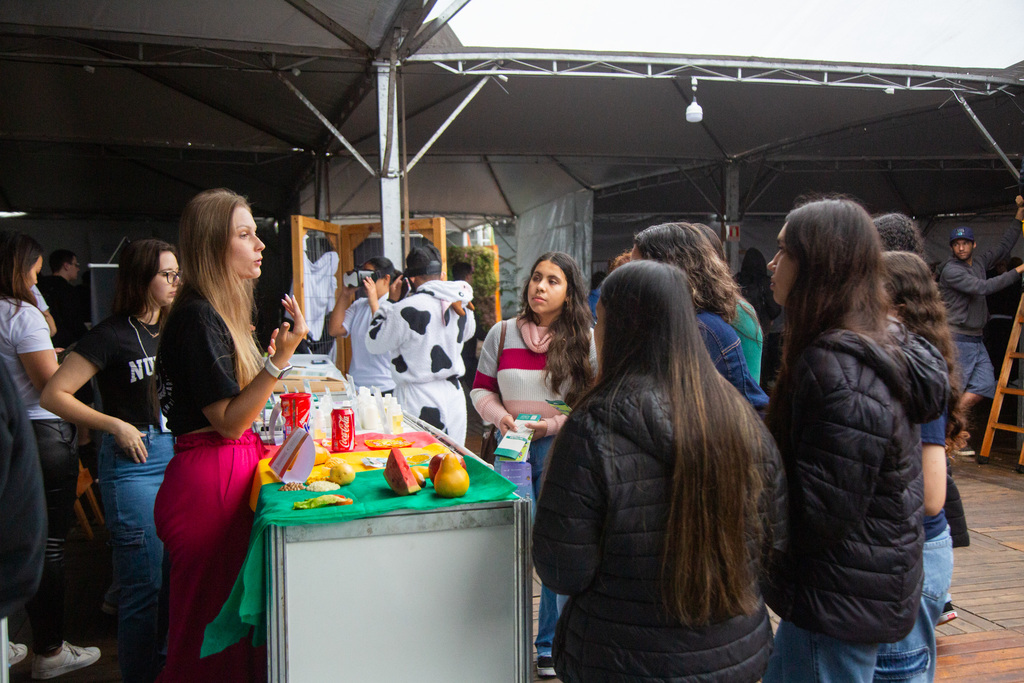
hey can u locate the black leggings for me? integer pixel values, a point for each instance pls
(58, 455)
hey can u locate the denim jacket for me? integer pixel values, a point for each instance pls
(723, 344)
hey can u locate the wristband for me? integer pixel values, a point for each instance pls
(274, 371)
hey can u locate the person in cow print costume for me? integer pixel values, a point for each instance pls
(423, 336)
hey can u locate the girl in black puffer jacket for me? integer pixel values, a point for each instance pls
(851, 389)
(663, 499)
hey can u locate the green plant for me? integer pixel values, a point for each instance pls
(484, 280)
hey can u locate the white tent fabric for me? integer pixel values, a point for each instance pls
(563, 224)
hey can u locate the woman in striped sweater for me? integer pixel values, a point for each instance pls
(548, 353)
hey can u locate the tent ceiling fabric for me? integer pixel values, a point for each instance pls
(120, 108)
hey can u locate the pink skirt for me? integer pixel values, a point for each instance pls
(203, 518)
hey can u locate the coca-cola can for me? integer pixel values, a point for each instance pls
(343, 430)
(295, 411)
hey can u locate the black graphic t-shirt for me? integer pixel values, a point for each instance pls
(124, 349)
(195, 366)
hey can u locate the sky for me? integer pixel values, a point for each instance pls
(955, 33)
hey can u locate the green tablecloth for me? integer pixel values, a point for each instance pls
(246, 606)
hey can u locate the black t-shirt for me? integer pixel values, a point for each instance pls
(69, 312)
(124, 349)
(195, 365)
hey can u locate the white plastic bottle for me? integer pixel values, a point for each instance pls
(368, 412)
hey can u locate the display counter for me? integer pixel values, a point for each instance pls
(390, 588)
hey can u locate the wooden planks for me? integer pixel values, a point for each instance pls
(984, 656)
(986, 642)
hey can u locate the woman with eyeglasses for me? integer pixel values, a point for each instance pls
(120, 352)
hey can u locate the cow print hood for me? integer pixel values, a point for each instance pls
(449, 292)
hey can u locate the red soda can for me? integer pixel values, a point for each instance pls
(343, 430)
(295, 410)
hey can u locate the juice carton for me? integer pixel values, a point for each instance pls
(515, 445)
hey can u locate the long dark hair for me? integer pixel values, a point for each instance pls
(838, 285)
(686, 246)
(18, 253)
(650, 334)
(913, 293)
(568, 359)
(138, 265)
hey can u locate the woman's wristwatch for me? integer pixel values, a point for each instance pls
(274, 371)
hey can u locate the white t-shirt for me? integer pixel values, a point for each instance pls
(40, 301)
(23, 330)
(367, 369)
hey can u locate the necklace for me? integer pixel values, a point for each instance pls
(144, 327)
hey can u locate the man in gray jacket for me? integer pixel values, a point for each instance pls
(964, 287)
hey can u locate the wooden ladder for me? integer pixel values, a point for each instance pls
(1002, 390)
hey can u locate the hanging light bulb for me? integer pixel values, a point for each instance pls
(694, 112)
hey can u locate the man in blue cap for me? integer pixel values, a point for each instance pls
(964, 287)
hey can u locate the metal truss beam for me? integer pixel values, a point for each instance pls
(428, 31)
(327, 124)
(332, 27)
(988, 136)
(721, 69)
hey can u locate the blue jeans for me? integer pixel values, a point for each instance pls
(802, 656)
(548, 616)
(913, 658)
(129, 491)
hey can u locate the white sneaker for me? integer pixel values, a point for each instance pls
(69, 658)
(16, 652)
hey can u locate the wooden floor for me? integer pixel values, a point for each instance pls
(986, 642)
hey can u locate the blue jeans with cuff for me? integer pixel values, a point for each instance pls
(913, 658)
(129, 492)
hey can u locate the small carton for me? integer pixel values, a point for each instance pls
(515, 445)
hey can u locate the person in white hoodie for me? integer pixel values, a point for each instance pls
(423, 336)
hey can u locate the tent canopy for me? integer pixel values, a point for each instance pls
(117, 109)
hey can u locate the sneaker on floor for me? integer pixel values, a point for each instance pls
(70, 658)
(16, 652)
(948, 614)
(545, 667)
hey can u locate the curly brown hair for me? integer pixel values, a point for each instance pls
(686, 246)
(919, 305)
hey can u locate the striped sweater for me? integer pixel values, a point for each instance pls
(516, 384)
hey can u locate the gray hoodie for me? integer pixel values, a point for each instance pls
(964, 287)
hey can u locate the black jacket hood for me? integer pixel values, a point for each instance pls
(913, 370)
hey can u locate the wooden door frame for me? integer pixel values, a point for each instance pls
(345, 239)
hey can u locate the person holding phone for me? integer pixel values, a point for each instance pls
(213, 383)
(351, 318)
